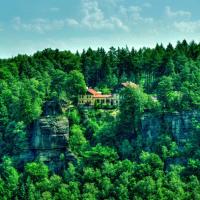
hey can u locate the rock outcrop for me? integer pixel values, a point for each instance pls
(51, 132)
(179, 125)
(48, 139)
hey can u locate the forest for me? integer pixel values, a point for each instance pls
(111, 161)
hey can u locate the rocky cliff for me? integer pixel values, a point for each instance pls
(49, 135)
(48, 139)
(179, 125)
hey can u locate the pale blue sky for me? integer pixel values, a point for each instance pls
(30, 25)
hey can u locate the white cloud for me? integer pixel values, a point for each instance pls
(94, 17)
(113, 3)
(41, 25)
(119, 24)
(72, 22)
(134, 13)
(188, 26)
(179, 13)
(16, 23)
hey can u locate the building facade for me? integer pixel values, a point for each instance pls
(95, 98)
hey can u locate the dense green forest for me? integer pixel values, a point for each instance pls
(111, 160)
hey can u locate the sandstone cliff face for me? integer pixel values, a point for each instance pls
(48, 139)
(179, 125)
(50, 132)
(49, 135)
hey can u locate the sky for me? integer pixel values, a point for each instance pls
(27, 26)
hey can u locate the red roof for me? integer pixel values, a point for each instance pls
(92, 91)
(97, 94)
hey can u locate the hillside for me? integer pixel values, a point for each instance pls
(147, 147)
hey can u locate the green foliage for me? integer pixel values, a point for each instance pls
(37, 171)
(98, 154)
(151, 159)
(112, 160)
(77, 141)
(105, 134)
(59, 84)
(15, 135)
(75, 84)
(105, 90)
(132, 105)
(3, 113)
(9, 179)
(74, 116)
